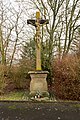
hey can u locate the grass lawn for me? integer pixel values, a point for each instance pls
(15, 96)
(20, 96)
(24, 96)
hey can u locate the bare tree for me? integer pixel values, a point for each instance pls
(12, 30)
(72, 16)
(64, 16)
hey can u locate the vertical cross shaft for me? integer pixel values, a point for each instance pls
(38, 42)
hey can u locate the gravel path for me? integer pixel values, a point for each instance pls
(39, 111)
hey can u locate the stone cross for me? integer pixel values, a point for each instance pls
(37, 23)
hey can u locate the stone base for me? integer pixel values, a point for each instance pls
(38, 84)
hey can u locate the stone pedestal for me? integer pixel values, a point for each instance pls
(38, 82)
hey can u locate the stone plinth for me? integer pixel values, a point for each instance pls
(38, 82)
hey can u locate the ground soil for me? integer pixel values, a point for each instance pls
(39, 111)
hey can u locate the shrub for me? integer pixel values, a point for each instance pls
(16, 77)
(19, 77)
(67, 78)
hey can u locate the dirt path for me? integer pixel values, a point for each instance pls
(39, 111)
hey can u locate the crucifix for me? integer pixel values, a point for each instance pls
(37, 23)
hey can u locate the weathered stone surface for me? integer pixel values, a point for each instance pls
(38, 81)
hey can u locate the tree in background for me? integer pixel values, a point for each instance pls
(28, 53)
(12, 26)
(64, 16)
(12, 36)
(59, 36)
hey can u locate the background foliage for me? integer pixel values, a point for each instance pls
(67, 78)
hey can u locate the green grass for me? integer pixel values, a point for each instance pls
(21, 95)
(12, 107)
(24, 96)
(77, 105)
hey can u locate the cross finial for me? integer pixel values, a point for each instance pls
(37, 15)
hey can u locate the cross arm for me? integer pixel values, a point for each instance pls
(41, 21)
(44, 21)
(32, 22)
